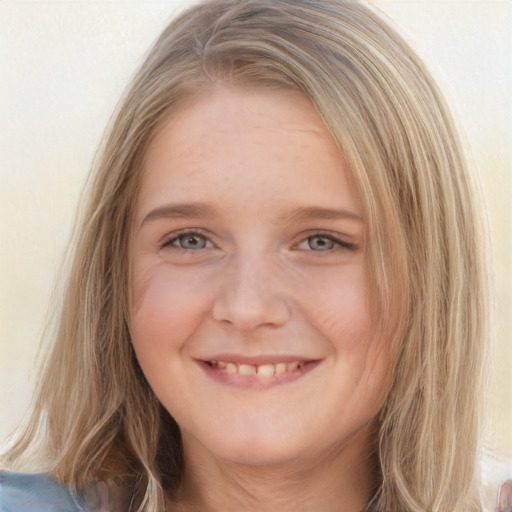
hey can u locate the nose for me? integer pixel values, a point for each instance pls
(251, 296)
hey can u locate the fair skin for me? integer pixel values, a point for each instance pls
(250, 306)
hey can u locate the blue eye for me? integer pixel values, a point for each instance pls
(321, 243)
(325, 243)
(188, 241)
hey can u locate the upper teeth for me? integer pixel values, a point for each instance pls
(262, 370)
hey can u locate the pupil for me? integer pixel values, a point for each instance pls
(192, 242)
(320, 243)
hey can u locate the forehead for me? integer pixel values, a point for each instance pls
(247, 146)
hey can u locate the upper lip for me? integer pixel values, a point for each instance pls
(258, 360)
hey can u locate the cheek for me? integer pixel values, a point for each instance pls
(166, 308)
(337, 304)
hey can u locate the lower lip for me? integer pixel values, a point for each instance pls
(254, 381)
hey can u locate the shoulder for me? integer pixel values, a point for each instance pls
(23, 492)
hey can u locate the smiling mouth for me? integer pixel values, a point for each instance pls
(262, 370)
(256, 376)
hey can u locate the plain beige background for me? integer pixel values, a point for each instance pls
(63, 65)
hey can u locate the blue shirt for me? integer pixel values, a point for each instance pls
(23, 492)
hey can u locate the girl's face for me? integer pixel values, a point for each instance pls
(250, 303)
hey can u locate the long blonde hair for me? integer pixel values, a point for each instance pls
(96, 417)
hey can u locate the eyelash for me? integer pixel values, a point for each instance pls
(169, 243)
(339, 244)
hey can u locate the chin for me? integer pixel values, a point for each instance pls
(255, 446)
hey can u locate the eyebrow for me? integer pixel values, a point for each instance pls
(315, 212)
(179, 211)
(195, 210)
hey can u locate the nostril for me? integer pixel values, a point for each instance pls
(249, 311)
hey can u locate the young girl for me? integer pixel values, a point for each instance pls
(279, 290)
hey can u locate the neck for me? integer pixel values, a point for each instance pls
(339, 480)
